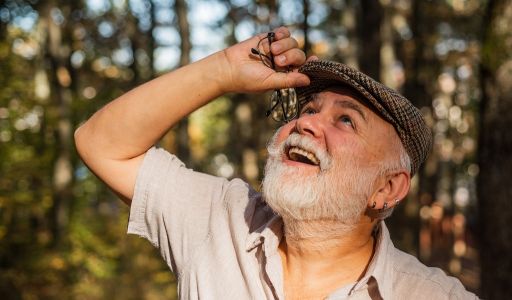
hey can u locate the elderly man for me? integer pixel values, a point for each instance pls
(333, 174)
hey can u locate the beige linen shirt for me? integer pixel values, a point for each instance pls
(220, 239)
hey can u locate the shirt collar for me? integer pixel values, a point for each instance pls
(383, 271)
(271, 232)
(378, 273)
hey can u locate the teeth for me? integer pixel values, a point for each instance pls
(294, 152)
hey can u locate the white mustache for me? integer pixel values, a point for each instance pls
(302, 141)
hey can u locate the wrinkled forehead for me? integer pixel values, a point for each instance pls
(377, 123)
(345, 90)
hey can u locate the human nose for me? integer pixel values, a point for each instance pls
(310, 125)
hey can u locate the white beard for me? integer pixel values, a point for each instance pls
(337, 194)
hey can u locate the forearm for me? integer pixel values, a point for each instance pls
(114, 140)
(128, 126)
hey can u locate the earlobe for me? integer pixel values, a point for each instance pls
(378, 198)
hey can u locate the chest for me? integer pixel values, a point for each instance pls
(230, 272)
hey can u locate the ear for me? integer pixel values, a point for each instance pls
(391, 189)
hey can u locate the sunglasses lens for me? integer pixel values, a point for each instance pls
(285, 105)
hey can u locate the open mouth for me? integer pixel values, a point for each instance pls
(303, 156)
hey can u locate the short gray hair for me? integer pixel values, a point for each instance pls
(400, 161)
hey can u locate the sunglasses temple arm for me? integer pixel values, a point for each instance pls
(285, 115)
(270, 37)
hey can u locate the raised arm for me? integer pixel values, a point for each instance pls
(112, 143)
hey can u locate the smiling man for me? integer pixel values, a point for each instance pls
(333, 174)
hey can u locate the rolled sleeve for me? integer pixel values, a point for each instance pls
(172, 206)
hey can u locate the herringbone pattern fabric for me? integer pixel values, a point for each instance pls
(393, 107)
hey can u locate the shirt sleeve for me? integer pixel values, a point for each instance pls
(172, 206)
(459, 292)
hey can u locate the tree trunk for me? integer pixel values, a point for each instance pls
(3, 25)
(60, 77)
(387, 49)
(414, 58)
(369, 32)
(134, 35)
(305, 26)
(495, 148)
(183, 149)
(348, 21)
(419, 68)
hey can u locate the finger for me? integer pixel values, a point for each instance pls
(283, 45)
(261, 35)
(282, 33)
(293, 57)
(262, 40)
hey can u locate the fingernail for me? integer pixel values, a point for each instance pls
(281, 59)
(303, 81)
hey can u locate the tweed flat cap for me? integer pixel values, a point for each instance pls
(414, 133)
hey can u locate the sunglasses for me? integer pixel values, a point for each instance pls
(284, 105)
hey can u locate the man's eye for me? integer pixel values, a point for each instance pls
(347, 120)
(308, 111)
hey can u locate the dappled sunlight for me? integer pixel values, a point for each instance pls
(63, 232)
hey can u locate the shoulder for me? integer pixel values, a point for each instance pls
(419, 281)
(242, 199)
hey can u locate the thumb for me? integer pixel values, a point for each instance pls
(312, 58)
(281, 80)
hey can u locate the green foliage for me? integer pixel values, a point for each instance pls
(209, 136)
(63, 236)
(90, 256)
(497, 44)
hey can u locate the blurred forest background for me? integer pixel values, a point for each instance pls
(62, 233)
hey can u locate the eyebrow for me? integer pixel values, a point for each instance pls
(353, 106)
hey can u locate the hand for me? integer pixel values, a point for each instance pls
(244, 72)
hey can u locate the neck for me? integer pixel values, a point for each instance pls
(337, 253)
